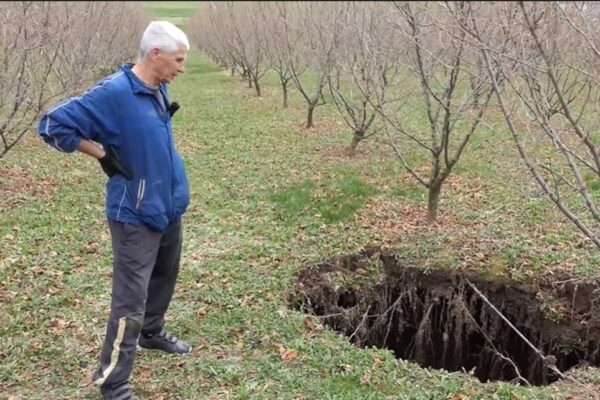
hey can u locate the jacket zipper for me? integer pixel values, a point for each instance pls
(140, 193)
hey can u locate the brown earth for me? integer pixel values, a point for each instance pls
(437, 318)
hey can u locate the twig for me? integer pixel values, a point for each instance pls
(507, 359)
(549, 361)
(535, 349)
(494, 347)
(328, 315)
(364, 317)
(393, 306)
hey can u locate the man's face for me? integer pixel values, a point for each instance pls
(168, 65)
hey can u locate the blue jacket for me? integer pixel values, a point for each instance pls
(121, 112)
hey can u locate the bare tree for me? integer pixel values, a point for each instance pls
(237, 37)
(361, 68)
(221, 21)
(53, 49)
(553, 104)
(312, 33)
(211, 31)
(273, 22)
(106, 35)
(250, 39)
(201, 28)
(22, 43)
(296, 39)
(438, 55)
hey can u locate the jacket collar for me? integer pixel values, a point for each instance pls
(136, 84)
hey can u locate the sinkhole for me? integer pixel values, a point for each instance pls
(440, 319)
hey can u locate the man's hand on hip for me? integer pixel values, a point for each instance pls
(112, 166)
(107, 158)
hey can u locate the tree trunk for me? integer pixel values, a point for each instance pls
(284, 86)
(433, 201)
(473, 82)
(232, 71)
(356, 139)
(309, 118)
(257, 87)
(250, 82)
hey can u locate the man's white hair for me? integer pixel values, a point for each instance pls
(162, 35)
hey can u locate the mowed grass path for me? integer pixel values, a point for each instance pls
(267, 198)
(176, 12)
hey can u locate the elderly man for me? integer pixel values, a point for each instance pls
(147, 192)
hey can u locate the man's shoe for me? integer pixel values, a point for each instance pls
(164, 341)
(121, 392)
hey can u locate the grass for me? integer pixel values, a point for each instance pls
(177, 12)
(267, 197)
(337, 200)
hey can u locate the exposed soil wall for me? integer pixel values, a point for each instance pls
(436, 319)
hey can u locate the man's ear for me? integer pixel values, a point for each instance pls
(154, 53)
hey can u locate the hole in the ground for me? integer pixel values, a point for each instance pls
(346, 298)
(438, 319)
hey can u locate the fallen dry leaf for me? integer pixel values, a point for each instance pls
(312, 324)
(365, 379)
(58, 325)
(460, 396)
(287, 354)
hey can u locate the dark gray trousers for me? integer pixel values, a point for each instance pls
(145, 268)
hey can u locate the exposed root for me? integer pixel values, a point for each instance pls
(452, 320)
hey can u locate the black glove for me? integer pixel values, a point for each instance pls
(173, 108)
(111, 165)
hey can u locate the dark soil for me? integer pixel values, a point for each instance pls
(437, 319)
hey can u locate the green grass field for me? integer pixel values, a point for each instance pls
(175, 11)
(268, 197)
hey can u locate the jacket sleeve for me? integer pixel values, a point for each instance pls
(87, 116)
